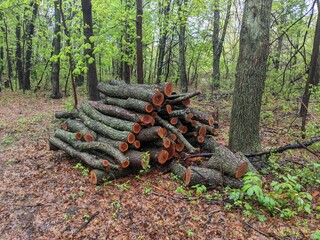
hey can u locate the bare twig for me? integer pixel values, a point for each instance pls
(85, 224)
(268, 235)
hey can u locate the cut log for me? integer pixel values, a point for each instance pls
(165, 88)
(87, 146)
(174, 99)
(99, 177)
(67, 114)
(158, 155)
(179, 147)
(89, 159)
(78, 126)
(182, 114)
(150, 134)
(136, 144)
(177, 133)
(202, 117)
(251, 168)
(107, 131)
(226, 161)
(209, 177)
(138, 159)
(119, 112)
(177, 169)
(129, 91)
(122, 146)
(115, 123)
(174, 120)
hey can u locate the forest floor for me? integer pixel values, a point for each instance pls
(42, 195)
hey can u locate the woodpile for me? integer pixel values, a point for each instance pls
(134, 126)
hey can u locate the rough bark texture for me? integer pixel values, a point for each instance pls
(138, 159)
(250, 76)
(19, 64)
(107, 131)
(182, 45)
(56, 44)
(119, 112)
(122, 146)
(113, 122)
(150, 134)
(89, 159)
(92, 78)
(210, 178)
(139, 41)
(67, 114)
(87, 146)
(227, 161)
(78, 126)
(98, 176)
(128, 91)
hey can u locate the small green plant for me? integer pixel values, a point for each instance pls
(316, 235)
(124, 187)
(148, 190)
(85, 170)
(74, 196)
(22, 120)
(145, 161)
(200, 189)
(85, 217)
(190, 233)
(8, 140)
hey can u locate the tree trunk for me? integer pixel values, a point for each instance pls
(55, 65)
(182, 46)
(92, 78)
(250, 76)
(139, 41)
(314, 75)
(19, 64)
(1, 62)
(29, 35)
(8, 83)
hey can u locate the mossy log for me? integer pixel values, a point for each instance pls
(89, 159)
(98, 177)
(78, 126)
(129, 91)
(174, 130)
(165, 88)
(226, 161)
(202, 117)
(184, 114)
(209, 177)
(119, 112)
(87, 146)
(115, 123)
(107, 131)
(67, 114)
(179, 98)
(122, 146)
(151, 134)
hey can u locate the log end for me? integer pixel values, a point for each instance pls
(171, 151)
(241, 170)
(173, 136)
(137, 144)
(202, 130)
(146, 120)
(149, 108)
(157, 99)
(88, 137)
(106, 164)
(123, 146)
(78, 135)
(125, 164)
(186, 102)
(169, 109)
(211, 121)
(179, 147)
(174, 120)
(183, 129)
(136, 128)
(200, 139)
(131, 138)
(168, 89)
(166, 142)
(186, 178)
(161, 132)
(163, 156)
(188, 117)
(93, 178)
(64, 126)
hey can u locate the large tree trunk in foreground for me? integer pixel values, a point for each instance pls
(92, 78)
(250, 76)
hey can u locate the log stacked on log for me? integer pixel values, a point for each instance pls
(134, 125)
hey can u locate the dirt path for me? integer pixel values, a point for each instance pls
(42, 196)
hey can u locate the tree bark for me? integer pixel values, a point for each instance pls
(19, 64)
(154, 97)
(29, 35)
(92, 78)
(108, 132)
(151, 134)
(98, 177)
(56, 44)
(67, 114)
(139, 41)
(250, 76)
(78, 126)
(112, 122)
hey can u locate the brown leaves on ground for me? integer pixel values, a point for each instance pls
(42, 196)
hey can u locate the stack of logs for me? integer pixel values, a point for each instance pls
(137, 125)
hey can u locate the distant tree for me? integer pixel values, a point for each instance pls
(92, 78)
(56, 44)
(29, 35)
(139, 41)
(19, 62)
(250, 76)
